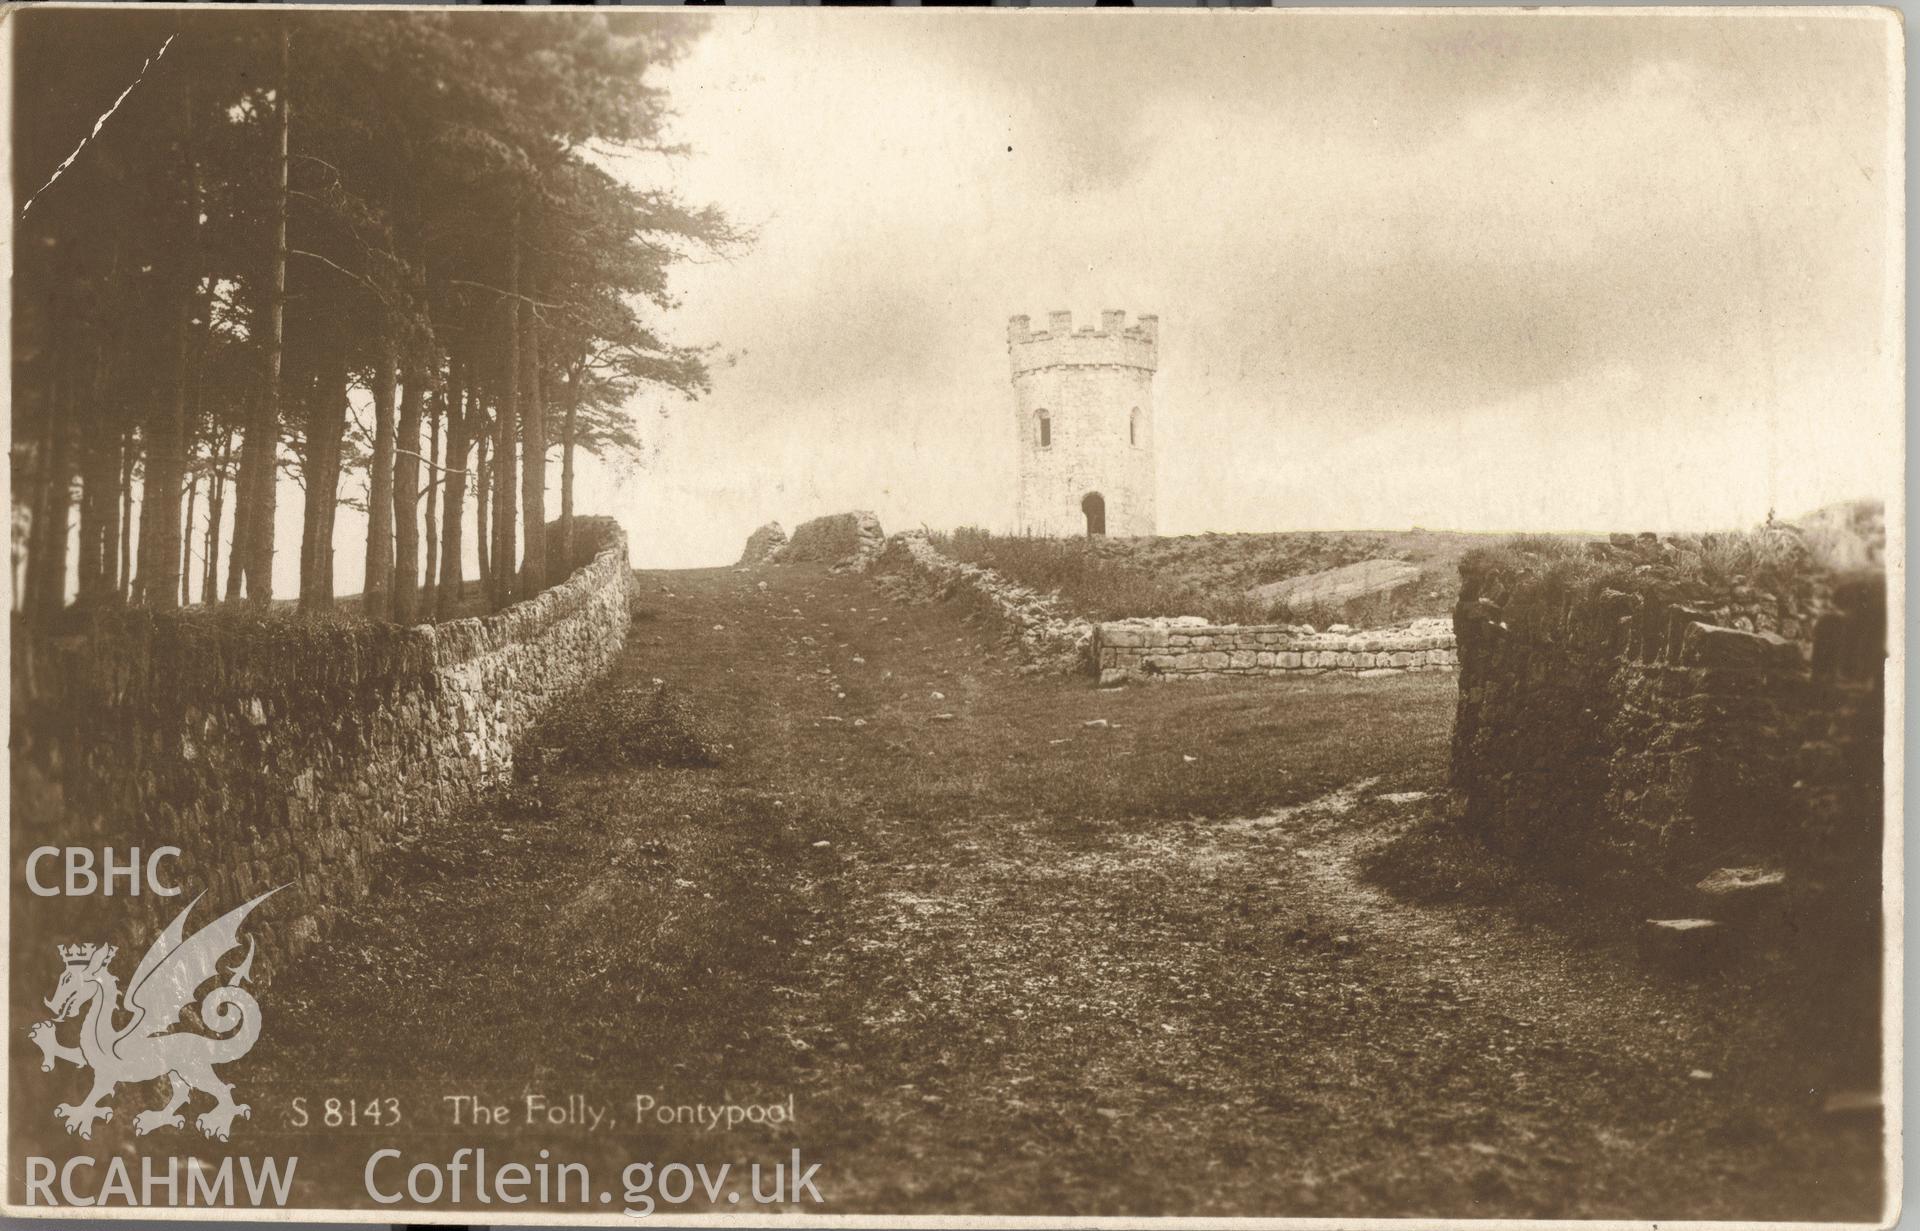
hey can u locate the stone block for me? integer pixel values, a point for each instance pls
(1711, 645)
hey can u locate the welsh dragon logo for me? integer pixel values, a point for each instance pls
(149, 1046)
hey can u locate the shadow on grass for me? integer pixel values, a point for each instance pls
(1816, 966)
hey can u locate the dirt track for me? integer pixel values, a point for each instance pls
(1007, 962)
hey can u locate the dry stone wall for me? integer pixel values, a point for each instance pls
(1619, 715)
(1048, 635)
(1189, 648)
(285, 751)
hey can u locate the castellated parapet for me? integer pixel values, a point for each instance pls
(1083, 408)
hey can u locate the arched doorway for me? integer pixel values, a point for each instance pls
(1094, 505)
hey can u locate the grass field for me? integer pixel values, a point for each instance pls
(1016, 945)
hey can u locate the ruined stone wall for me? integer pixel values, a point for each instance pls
(764, 545)
(844, 540)
(278, 750)
(1049, 636)
(1189, 648)
(1619, 715)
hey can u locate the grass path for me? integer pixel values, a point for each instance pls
(1005, 961)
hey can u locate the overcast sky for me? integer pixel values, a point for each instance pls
(1455, 270)
(1452, 270)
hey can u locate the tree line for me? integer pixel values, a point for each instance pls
(290, 223)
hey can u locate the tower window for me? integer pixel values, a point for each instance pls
(1133, 427)
(1045, 429)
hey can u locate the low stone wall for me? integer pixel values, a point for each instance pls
(1189, 648)
(1619, 713)
(1049, 636)
(277, 750)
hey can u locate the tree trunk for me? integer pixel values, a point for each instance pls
(326, 420)
(87, 566)
(568, 433)
(99, 496)
(243, 501)
(377, 592)
(186, 540)
(453, 494)
(158, 579)
(506, 428)
(166, 457)
(406, 501)
(533, 470)
(47, 535)
(39, 477)
(115, 495)
(123, 579)
(109, 465)
(259, 485)
(216, 509)
(435, 407)
(196, 413)
(58, 504)
(483, 511)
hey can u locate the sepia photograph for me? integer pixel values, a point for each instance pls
(1006, 616)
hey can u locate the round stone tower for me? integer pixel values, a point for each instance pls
(1083, 407)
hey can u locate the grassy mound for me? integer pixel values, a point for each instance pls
(633, 725)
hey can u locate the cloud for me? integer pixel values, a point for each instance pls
(1449, 268)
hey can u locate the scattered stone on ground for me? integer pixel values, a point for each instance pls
(1731, 881)
(1683, 943)
(999, 946)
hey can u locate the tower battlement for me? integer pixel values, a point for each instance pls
(1112, 343)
